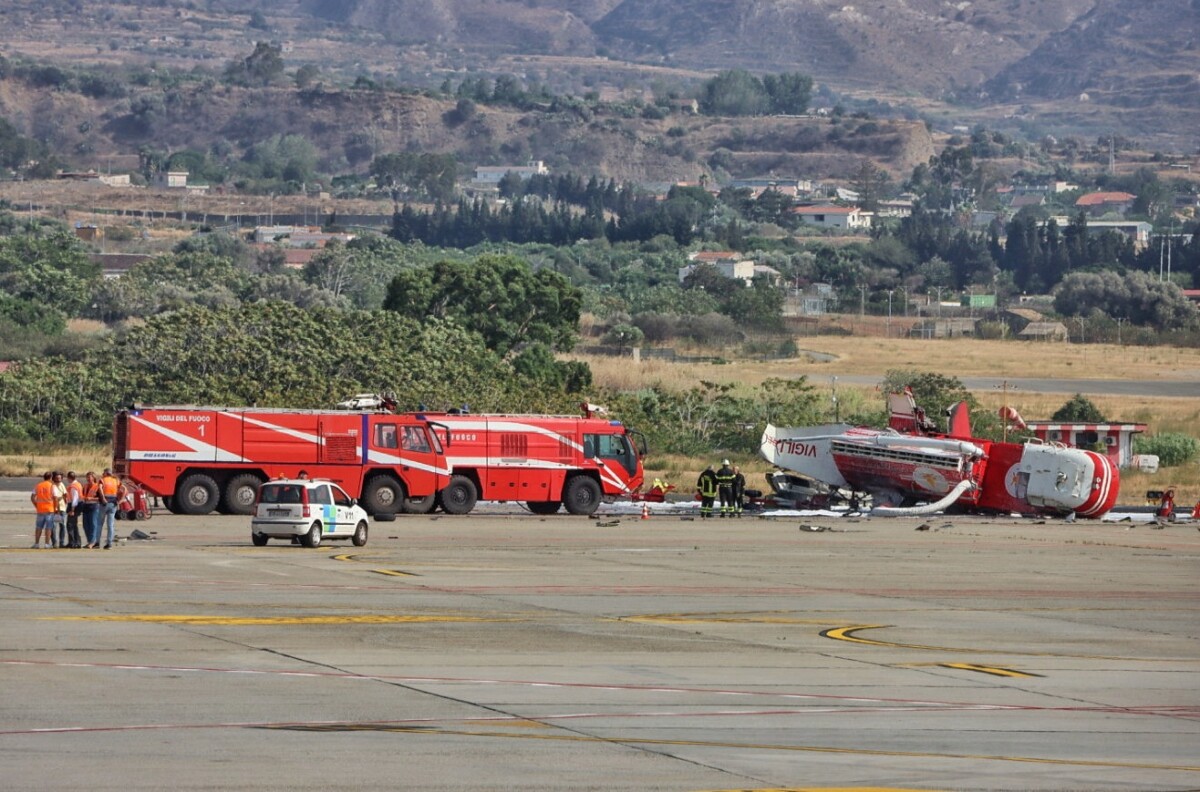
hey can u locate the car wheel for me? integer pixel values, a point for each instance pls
(197, 494)
(543, 507)
(360, 534)
(313, 537)
(240, 493)
(259, 539)
(459, 496)
(582, 495)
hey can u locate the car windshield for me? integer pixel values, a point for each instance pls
(280, 493)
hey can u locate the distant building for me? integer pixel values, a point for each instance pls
(88, 232)
(845, 217)
(114, 265)
(1098, 204)
(171, 180)
(728, 263)
(1137, 230)
(491, 175)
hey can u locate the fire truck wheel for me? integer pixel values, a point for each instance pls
(382, 495)
(419, 505)
(169, 503)
(240, 493)
(543, 507)
(197, 494)
(313, 537)
(582, 495)
(259, 539)
(459, 496)
(360, 534)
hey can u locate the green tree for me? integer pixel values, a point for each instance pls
(49, 268)
(788, 93)
(1079, 409)
(501, 297)
(624, 336)
(261, 67)
(735, 92)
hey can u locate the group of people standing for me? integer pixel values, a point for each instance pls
(726, 483)
(60, 504)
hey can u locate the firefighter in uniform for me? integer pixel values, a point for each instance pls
(739, 490)
(725, 488)
(706, 485)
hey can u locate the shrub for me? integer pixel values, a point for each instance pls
(1171, 448)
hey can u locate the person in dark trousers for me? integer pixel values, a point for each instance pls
(706, 485)
(725, 488)
(739, 490)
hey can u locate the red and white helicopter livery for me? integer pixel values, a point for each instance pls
(912, 468)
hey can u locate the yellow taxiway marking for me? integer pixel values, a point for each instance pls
(394, 573)
(993, 670)
(767, 617)
(848, 634)
(581, 738)
(239, 621)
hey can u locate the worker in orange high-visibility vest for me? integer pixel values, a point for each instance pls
(113, 491)
(42, 499)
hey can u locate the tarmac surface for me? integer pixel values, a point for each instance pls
(507, 651)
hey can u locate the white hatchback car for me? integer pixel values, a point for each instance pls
(310, 510)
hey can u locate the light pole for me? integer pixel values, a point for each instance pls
(837, 413)
(1120, 319)
(889, 319)
(1082, 339)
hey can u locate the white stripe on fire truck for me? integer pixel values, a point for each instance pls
(296, 433)
(201, 451)
(383, 458)
(538, 464)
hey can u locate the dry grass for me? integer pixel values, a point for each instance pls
(81, 459)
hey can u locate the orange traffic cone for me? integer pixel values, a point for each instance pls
(645, 510)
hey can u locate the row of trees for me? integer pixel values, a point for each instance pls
(737, 92)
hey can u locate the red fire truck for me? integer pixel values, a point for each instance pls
(198, 459)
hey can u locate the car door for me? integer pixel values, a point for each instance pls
(343, 506)
(320, 498)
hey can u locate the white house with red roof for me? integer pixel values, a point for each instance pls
(1101, 203)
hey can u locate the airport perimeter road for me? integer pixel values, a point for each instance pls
(529, 653)
(1182, 389)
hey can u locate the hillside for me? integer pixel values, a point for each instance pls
(350, 126)
(1020, 64)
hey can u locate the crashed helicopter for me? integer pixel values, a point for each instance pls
(913, 468)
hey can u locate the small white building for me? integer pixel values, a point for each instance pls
(845, 217)
(491, 175)
(728, 263)
(171, 180)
